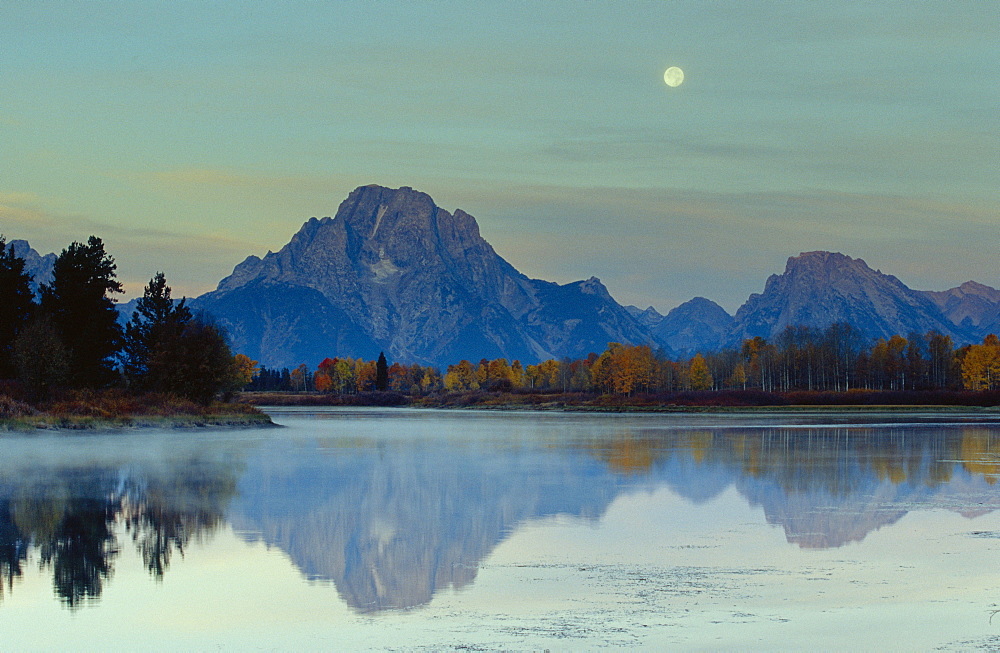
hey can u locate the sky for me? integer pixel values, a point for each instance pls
(189, 135)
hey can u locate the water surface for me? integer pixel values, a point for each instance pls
(432, 529)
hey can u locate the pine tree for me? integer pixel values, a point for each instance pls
(381, 373)
(17, 304)
(156, 320)
(83, 314)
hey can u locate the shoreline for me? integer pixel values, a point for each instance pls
(91, 423)
(50, 422)
(704, 402)
(576, 408)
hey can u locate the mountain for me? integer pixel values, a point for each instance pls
(972, 306)
(818, 289)
(392, 271)
(36, 265)
(696, 325)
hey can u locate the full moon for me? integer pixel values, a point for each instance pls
(673, 76)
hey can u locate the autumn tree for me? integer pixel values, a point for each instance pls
(299, 378)
(499, 375)
(631, 368)
(243, 371)
(431, 380)
(738, 379)
(17, 304)
(517, 374)
(323, 377)
(402, 379)
(699, 376)
(981, 365)
(83, 313)
(365, 375)
(461, 376)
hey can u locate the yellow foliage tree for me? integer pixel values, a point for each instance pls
(699, 376)
(632, 368)
(738, 379)
(244, 369)
(981, 365)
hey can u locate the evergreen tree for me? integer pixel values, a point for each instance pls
(82, 312)
(156, 319)
(381, 373)
(194, 362)
(17, 304)
(40, 357)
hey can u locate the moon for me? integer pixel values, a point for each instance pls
(673, 76)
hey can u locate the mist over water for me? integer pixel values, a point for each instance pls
(526, 524)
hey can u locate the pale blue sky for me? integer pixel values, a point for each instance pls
(189, 135)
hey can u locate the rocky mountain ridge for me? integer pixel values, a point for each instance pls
(393, 272)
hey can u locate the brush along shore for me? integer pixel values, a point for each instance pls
(119, 409)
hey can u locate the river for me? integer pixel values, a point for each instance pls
(429, 529)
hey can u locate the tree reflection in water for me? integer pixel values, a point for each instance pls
(73, 522)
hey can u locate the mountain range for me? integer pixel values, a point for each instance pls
(391, 271)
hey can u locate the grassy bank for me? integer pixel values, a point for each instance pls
(688, 401)
(119, 409)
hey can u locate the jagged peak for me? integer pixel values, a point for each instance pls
(592, 286)
(820, 258)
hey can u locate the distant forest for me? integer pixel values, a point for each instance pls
(835, 359)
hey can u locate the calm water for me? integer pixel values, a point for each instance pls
(430, 529)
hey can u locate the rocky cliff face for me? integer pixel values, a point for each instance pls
(822, 288)
(393, 271)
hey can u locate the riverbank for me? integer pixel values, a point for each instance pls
(116, 409)
(688, 401)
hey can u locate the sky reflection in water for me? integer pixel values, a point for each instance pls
(506, 530)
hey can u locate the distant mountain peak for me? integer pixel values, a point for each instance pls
(973, 306)
(424, 286)
(697, 325)
(38, 267)
(821, 288)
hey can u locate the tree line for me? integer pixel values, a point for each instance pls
(838, 359)
(69, 336)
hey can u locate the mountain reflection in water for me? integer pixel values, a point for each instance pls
(390, 521)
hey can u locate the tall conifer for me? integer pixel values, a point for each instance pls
(83, 313)
(16, 304)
